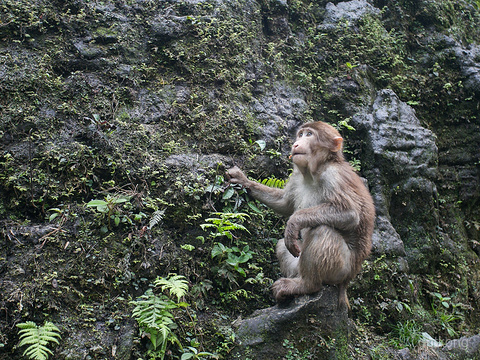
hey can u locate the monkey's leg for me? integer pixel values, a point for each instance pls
(293, 283)
(325, 258)
(328, 258)
(288, 263)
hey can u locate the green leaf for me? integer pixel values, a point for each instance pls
(53, 216)
(38, 337)
(120, 200)
(261, 143)
(218, 249)
(240, 271)
(187, 247)
(244, 258)
(228, 194)
(101, 205)
(97, 203)
(177, 285)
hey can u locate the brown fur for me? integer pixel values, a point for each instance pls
(330, 209)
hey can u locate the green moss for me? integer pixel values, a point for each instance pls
(76, 128)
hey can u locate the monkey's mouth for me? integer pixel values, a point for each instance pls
(293, 154)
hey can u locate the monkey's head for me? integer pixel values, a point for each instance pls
(316, 143)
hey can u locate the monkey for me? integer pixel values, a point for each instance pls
(329, 208)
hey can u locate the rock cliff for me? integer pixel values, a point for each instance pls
(118, 119)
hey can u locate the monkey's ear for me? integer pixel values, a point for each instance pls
(337, 144)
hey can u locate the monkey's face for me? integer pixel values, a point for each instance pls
(303, 148)
(314, 146)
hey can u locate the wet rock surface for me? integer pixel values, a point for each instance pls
(347, 11)
(405, 157)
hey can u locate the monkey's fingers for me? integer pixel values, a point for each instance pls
(229, 176)
(293, 248)
(235, 176)
(296, 252)
(231, 179)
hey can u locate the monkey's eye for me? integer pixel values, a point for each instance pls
(309, 133)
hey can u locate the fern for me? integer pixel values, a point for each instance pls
(38, 337)
(274, 182)
(156, 218)
(176, 284)
(155, 319)
(223, 224)
(154, 313)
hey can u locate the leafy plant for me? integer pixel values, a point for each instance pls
(200, 292)
(192, 353)
(154, 313)
(233, 195)
(38, 339)
(217, 186)
(230, 259)
(240, 198)
(107, 208)
(445, 301)
(408, 334)
(293, 353)
(56, 212)
(350, 66)
(261, 143)
(177, 285)
(223, 225)
(447, 313)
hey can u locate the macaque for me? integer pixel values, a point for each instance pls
(331, 214)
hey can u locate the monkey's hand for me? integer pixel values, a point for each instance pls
(236, 176)
(291, 237)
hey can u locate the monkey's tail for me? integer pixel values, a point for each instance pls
(343, 303)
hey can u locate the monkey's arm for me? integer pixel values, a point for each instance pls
(325, 214)
(274, 198)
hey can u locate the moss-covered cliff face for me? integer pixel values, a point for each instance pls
(141, 105)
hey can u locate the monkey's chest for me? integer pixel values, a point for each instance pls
(308, 197)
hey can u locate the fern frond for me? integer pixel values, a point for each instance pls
(153, 314)
(235, 227)
(38, 337)
(37, 352)
(151, 310)
(177, 285)
(164, 331)
(274, 182)
(229, 215)
(157, 216)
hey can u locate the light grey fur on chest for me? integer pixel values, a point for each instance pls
(312, 193)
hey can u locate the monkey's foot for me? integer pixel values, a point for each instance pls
(286, 288)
